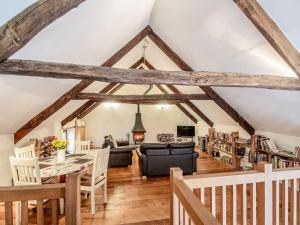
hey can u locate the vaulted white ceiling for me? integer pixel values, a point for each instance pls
(89, 34)
(215, 35)
(209, 35)
(286, 16)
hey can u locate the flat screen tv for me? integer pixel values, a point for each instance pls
(185, 131)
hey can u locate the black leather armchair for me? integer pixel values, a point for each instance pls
(119, 156)
(157, 159)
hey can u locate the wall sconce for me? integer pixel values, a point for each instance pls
(163, 106)
(111, 105)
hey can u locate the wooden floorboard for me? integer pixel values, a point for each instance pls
(134, 201)
(155, 222)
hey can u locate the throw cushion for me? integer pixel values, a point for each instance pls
(108, 142)
(115, 143)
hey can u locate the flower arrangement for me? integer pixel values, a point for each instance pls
(59, 144)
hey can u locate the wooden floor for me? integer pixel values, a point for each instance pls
(134, 201)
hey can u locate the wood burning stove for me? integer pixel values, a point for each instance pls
(138, 130)
(138, 137)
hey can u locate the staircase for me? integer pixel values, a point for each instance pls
(263, 196)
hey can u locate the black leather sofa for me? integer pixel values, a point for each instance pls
(157, 159)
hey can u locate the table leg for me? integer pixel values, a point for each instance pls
(61, 179)
(73, 199)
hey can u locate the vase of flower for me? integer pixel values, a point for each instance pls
(60, 146)
(61, 155)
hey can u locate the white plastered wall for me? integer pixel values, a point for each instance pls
(6, 150)
(120, 120)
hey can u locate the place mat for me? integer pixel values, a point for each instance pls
(80, 161)
(43, 166)
(75, 155)
(44, 159)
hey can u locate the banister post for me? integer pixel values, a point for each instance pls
(260, 166)
(265, 202)
(175, 173)
(8, 213)
(73, 199)
(268, 194)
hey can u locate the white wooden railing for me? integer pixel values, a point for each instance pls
(263, 196)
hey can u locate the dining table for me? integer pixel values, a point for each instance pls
(50, 167)
(71, 170)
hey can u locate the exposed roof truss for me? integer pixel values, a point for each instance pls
(23, 27)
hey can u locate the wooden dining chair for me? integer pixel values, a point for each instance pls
(82, 147)
(24, 172)
(98, 178)
(27, 152)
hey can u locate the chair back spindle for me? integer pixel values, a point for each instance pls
(100, 163)
(27, 152)
(25, 171)
(82, 147)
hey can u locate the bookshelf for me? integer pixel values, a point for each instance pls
(264, 150)
(225, 144)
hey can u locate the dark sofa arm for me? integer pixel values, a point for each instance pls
(122, 143)
(195, 156)
(143, 162)
(120, 150)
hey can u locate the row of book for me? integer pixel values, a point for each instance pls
(223, 147)
(264, 144)
(243, 141)
(224, 136)
(203, 142)
(257, 157)
(226, 159)
(277, 161)
(214, 153)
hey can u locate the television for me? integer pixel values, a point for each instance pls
(185, 131)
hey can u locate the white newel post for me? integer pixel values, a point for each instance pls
(268, 194)
(175, 173)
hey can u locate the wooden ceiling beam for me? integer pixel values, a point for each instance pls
(50, 110)
(227, 108)
(208, 90)
(86, 105)
(141, 101)
(64, 99)
(149, 97)
(23, 27)
(181, 108)
(141, 76)
(96, 104)
(268, 28)
(91, 105)
(136, 65)
(191, 105)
